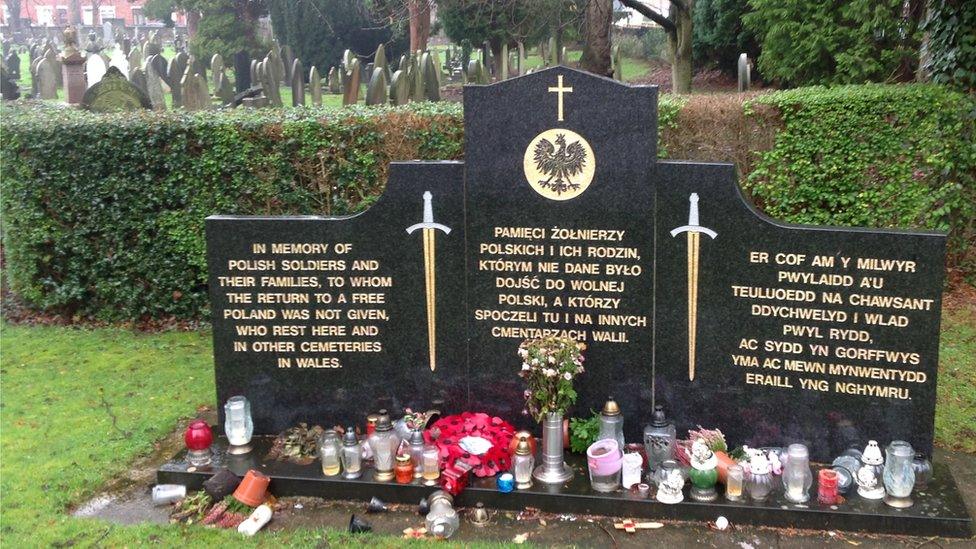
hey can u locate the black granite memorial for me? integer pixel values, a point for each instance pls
(561, 221)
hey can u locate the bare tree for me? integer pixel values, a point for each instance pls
(419, 14)
(597, 21)
(678, 27)
(13, 13)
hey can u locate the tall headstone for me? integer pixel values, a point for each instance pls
(269, 82)
(350, 86)
(744, 69)
(315, 86)
(334, 84)
(297, 83)
(138, 78)
(255, 79)
(119, 61)
(174, 77)
(376, 92)
(134, 57)
(242, 71)
(223, 89)
(72, 68)
(114, 93)
(154, 87)
(95, 69)
(216, 66)
(108, 33)
(12, 61)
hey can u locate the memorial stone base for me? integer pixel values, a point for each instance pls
(939, 509)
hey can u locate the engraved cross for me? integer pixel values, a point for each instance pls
(560, 90)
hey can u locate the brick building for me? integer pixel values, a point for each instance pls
(55, 13)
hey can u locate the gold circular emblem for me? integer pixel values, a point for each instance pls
(559, 164)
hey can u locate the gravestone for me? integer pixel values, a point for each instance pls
(119, 61)
(114, 93)
(12, 62)
(72, 68)
(744, 70)
(174, 77)
(242, 71)
(8, 87)
(315, 86)
(297, 83)
(774, 333)
(269, 83)
(255, 79)
(138, 78)
(47, 79)
(108, 33)
(94, 69)
(223, 89)
(216, 66)
(154, 87)
(134, 58)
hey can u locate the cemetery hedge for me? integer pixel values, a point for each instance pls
(103, 214)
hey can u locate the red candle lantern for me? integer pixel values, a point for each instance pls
(827, 487)
(198, 438)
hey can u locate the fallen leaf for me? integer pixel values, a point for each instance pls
(520, 539)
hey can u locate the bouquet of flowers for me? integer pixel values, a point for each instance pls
(549, 366)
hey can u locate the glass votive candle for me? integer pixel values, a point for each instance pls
(432, 464)
(827, 493)
(604, 461)
(735, 482)
(403, 471)
(505, 482)
(238, 425)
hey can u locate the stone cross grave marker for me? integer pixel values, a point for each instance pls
(562, 221)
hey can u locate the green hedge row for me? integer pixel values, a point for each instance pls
(103, 214)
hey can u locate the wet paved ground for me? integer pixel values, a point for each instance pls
(133, 506)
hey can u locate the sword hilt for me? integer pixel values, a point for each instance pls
(428, 219)
(693, 226)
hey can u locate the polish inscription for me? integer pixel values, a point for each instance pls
(316, 302)
(552, 281)
(830, 314)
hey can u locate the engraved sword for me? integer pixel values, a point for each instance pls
(693, 229)
(429, 227)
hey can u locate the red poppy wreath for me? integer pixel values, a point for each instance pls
(475, 438)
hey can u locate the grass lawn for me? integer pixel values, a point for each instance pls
(79, 405)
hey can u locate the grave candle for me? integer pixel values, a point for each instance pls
(759, 484)
(797, 477)
(238, 425)
(827, 486)
(612, 423)
(431, 468)
(734, 481)
(329, 450)
(417, 452)
(351, 455)
(384, 443)
(198, 437)
(404, 469)
(899, 474)
(522, 463)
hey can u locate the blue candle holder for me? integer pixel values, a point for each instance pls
(506, 483)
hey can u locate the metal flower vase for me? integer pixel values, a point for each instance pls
(552, 469)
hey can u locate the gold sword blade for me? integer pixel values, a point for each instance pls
(692, 301)
(430, 287)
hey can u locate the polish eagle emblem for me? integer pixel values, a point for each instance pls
(560, 162)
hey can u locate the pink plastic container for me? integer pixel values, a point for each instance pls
(604, 460)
